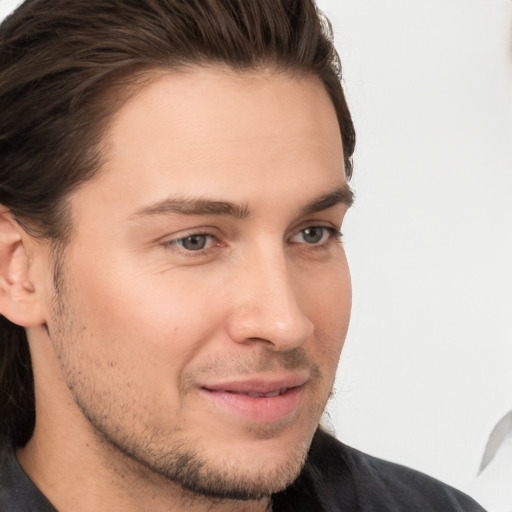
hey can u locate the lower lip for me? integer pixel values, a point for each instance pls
(258, 409)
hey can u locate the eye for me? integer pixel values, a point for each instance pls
(195, 242)
(315, 235)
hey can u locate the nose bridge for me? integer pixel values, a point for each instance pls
(268, 307)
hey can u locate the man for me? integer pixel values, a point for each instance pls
(174, 290)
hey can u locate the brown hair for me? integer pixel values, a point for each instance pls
(63, 63)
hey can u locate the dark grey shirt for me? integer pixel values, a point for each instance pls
(336, 478)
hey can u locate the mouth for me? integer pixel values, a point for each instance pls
(271, 394)
(258, 400)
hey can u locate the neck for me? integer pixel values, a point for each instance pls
(77, 482)
(77, 470)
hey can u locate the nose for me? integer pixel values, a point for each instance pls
(268, 306)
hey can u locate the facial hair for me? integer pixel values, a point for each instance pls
(173, 455)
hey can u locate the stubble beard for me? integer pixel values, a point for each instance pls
(199, 477)
(171, 456)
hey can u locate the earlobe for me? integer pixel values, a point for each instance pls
(19, 297)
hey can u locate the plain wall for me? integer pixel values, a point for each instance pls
(427, 368)
(6, 6)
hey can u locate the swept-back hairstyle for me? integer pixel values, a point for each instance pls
(66, 66)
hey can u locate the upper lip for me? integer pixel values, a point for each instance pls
(260, 384)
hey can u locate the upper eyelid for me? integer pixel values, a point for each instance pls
(331, 229)
(180, 235)
(212, 231)
(177, 239)
(315, 223)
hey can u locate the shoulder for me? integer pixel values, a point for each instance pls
(403, 488)
(347, 479)
(17, 492)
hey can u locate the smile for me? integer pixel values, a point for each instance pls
(267, 395)
(258, 400)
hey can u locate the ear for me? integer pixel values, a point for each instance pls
(19, 297)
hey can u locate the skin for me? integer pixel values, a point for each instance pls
(132, 351)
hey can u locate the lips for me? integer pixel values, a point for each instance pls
(267, 395)
(258, 399)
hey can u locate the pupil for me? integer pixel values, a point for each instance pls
(313, 235)
(194, 242)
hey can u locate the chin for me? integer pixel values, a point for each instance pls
(242, 477)
(235, 469)
(247, 470)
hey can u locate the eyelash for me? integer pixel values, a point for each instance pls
(333, 234)
(177, 242)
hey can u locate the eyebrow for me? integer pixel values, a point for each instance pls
(199, 206)
(340, 195)
(202, 206)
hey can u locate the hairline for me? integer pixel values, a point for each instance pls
(138, 79)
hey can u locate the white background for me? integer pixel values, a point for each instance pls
(427, 368)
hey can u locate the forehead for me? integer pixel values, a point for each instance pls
(225, 133)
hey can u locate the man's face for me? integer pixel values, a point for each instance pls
(204, 298)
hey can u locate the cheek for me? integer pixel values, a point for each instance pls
(149, 318)
(327, 292)
(327, 301)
